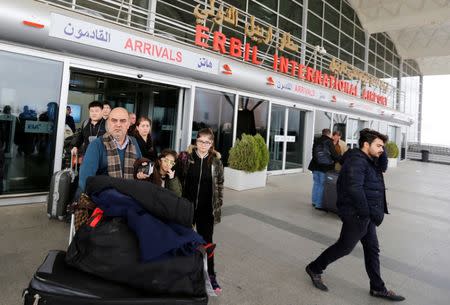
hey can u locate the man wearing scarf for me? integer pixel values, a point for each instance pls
(114, 153)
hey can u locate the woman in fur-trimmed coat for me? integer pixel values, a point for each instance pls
(201, 174)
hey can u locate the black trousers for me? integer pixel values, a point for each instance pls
(204, 224)
(354, 230)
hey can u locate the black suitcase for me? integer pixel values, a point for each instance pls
(55, 283)
(62, 190)
(329, 192)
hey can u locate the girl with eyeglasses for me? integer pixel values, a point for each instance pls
(162, 173)
(201, 172)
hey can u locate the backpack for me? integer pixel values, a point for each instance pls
(322, 154)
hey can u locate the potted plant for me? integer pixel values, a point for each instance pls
(392, 153)
(247, 163)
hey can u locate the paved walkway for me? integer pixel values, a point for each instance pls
(268, 235)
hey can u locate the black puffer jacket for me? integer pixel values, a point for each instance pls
(360, 187)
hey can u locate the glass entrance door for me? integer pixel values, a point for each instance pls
(159, 102)
(354, 126)
(286, 139)
(276, 137)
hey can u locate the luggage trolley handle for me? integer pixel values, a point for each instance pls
(74, 163)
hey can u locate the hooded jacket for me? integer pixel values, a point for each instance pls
(360, 187)
(186, 159)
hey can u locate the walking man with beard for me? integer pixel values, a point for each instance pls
(361, 206)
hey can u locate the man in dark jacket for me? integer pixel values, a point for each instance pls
(324, 156)
(91, 129)
(361, 206)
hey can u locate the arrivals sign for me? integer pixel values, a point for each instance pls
(260, 34)
(79, 31)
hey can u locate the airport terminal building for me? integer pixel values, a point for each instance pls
(285, 69)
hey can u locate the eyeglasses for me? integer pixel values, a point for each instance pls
(204, 142)
(168, 161)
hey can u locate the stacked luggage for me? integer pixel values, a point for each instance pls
(137, 248)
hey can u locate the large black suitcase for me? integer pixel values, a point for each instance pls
(329, 192)
(55, 283)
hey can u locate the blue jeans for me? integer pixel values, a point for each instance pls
(317, 190)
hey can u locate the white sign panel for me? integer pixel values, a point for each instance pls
(102, 37)
(290, 139)
(279, 138)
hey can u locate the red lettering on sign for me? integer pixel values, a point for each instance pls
(200, 36)
(219, 41)
(235, 47)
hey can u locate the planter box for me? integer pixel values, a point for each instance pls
(392, 162)
(240, 180)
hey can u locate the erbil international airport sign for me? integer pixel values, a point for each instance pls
(260, 34)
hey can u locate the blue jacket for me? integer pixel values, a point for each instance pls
(95, 161)
(360, 188)
(157, 239)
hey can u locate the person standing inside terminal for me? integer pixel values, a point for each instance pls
(132, 128)
(324, 156)
(201, 175)
(69, 119)
(106, 110)
(340, 146)
(144, 138)
(361, 206)
(91, 129)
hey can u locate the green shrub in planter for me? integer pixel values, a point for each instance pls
(249, 154)
(391, 149)
(263, 158)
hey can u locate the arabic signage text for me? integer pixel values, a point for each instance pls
(91, 34)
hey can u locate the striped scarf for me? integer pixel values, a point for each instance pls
(114, 165)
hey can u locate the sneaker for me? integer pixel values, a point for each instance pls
(316, 279)
(387, 294)
(214, 284)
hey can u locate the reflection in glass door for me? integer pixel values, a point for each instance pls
(294, 140)
(286, 138)
(276, 143)
(353, 128)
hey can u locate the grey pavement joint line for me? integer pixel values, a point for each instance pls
(386, 262)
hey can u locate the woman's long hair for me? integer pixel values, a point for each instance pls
(156, 175)
(139, 121)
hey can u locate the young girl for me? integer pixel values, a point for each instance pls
(162, 173)
(202, 176)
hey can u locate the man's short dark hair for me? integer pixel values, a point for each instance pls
(369, 135)
(326, 132)
(107, 103)
(337, 133)
(95, 104)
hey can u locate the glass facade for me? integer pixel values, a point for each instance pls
(329, 24)
(29, 98)
(252, 116)
(411, 87)
(335, 26)
(215, 110)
